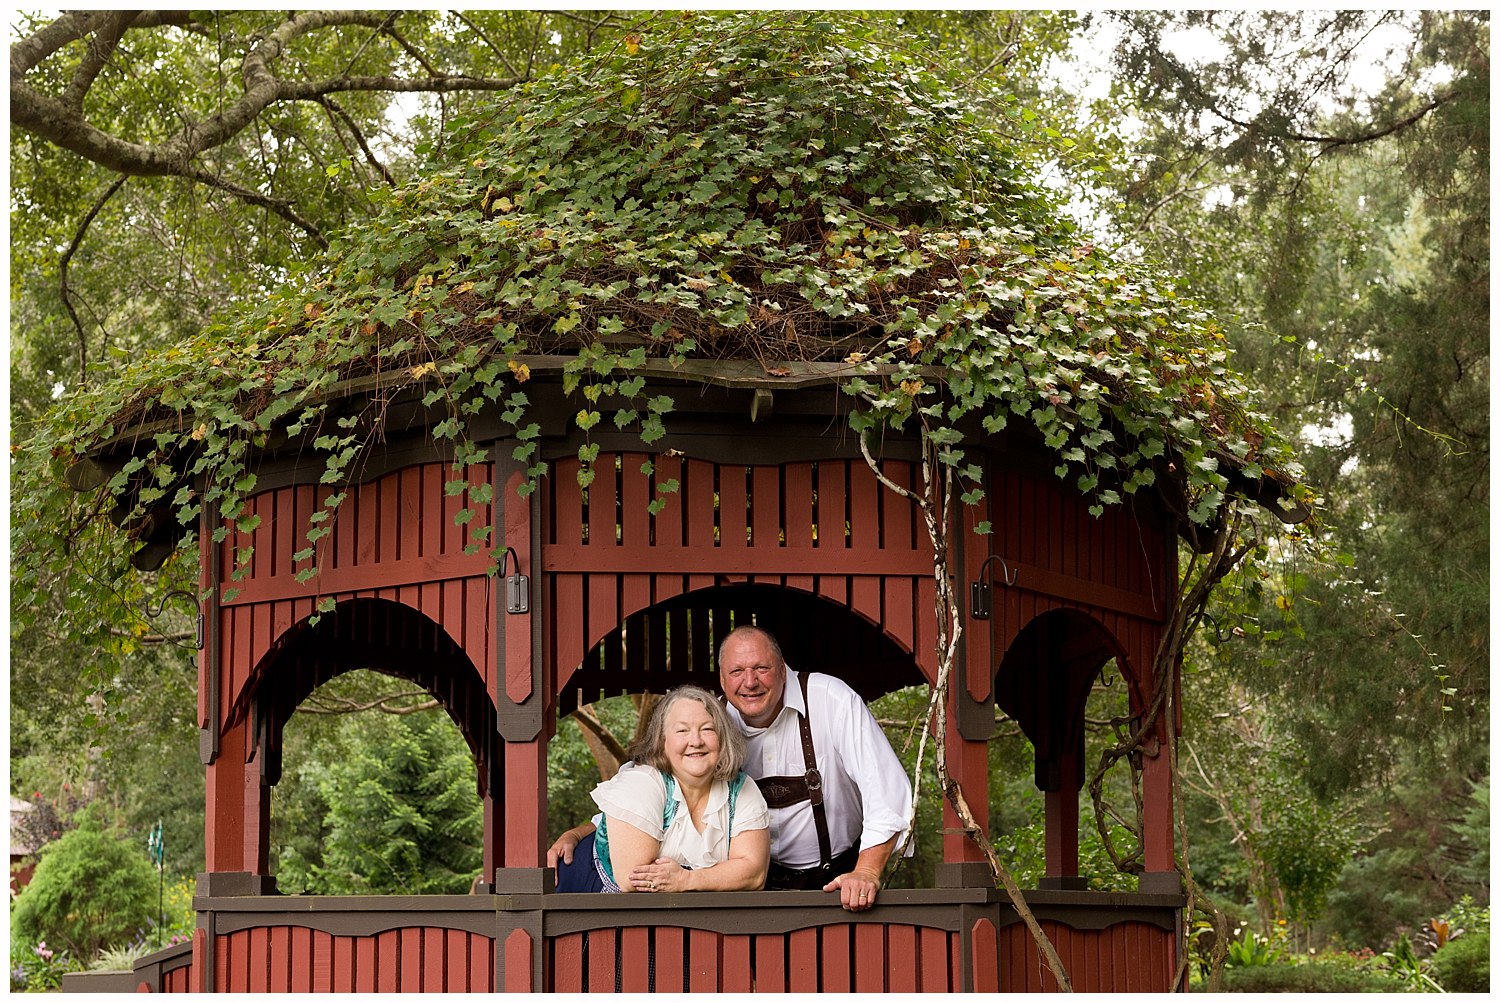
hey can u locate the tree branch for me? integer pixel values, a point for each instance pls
(110, 29)
(280, 207)
(60, 119)
(499, 53)
(335, 109)
(62, 274)
(387, 704)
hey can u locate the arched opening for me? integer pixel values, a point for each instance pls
(393, 640)
(675, 642)
(1044, 683)
(377, 794)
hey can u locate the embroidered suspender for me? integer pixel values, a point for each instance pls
(783, 792)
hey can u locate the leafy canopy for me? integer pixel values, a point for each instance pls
(765, 186)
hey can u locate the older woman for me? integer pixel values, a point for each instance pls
(683, 816)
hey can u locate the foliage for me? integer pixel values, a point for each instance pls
(872, 220)
(1309, 977)
(92, 888)
(1024, 852)
(376, 803)
(37, 968)
(1403, 965)
(1252, 950)
(572, 772)
(1463, 964)
(1425, 853)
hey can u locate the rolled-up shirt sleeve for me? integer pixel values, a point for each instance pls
(884, 790)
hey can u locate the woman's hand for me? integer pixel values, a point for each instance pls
(661, 875)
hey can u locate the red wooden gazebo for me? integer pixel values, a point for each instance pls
(777, 519)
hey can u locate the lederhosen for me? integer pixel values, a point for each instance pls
(783, 792)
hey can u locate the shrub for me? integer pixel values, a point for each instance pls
(91, 890)
(1312, 977)
(1463, 964)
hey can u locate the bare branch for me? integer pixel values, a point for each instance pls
(280, 207)
(334, 108)
(62, 273)
(489, 43)
(391, 703)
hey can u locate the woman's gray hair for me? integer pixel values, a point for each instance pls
(651, 747)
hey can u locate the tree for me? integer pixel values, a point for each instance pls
(1343, 232)
(376, 803)
(92, 889)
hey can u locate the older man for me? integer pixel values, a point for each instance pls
(840, 801)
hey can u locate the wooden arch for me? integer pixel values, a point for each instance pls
(676, 641)
(366, 633)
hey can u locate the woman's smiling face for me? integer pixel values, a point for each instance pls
(692, 740)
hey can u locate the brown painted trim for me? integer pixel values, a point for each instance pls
(680, 560)
(105, 982)
(360, 578)
(965, 874)
(1029, 578)
(209, 731)
(218, 885)
(1094, 919)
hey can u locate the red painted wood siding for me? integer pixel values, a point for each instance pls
(393, 538)
(1128, 957)
(296, 959)
(1051, 545)
(865, 957)
(826, 528)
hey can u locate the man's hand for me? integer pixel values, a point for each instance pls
(856, 889)
(562, 850)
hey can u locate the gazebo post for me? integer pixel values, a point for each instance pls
(1062, 818)
(238, 807)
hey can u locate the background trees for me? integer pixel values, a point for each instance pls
(1327, 197)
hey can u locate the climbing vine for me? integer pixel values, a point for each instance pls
(765, 186)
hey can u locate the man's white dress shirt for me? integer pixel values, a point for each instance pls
(866, 794)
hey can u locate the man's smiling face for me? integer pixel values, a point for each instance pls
(753, 677)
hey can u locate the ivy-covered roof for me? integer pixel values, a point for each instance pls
(732, 186)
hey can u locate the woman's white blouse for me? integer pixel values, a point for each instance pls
(637, 795)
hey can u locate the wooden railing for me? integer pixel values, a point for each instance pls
(929, 940)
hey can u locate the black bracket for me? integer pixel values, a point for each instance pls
(517, 586)
(980, 599)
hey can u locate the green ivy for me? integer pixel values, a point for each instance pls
(762, 185)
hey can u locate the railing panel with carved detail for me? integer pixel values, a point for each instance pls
(932, 940)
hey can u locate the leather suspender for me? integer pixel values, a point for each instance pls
(783, 792)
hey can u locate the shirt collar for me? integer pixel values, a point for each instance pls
(791, 696)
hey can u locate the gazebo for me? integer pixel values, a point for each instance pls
(614, 565)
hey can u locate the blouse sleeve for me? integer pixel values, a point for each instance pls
(750, 811)
(636, 796)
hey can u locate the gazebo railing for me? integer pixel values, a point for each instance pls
(917, 940)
